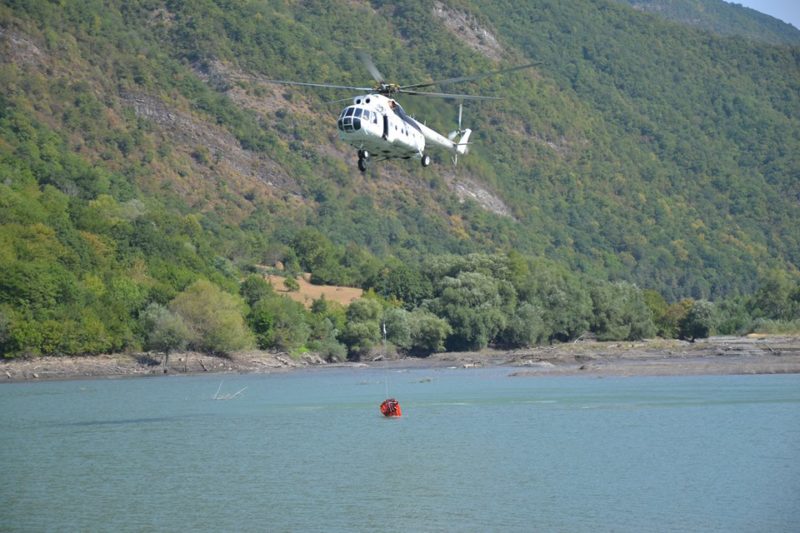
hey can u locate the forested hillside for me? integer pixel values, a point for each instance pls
(722, 18)
(146, 168)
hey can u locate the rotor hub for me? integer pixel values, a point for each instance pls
(386, 88)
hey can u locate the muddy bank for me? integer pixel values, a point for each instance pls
(656, 357)
(145, 364)
(717, 355)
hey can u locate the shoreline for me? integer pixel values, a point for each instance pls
(754, 354)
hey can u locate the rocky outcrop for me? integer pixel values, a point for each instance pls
(222, 147)
(467, 29)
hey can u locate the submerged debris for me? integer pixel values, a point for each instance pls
(218, 396)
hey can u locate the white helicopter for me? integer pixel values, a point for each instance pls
(378, 127)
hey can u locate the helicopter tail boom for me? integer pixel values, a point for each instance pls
(434, 140)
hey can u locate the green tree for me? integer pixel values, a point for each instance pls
(118, 306)
(164, 330)
(327, 320)
(620, 312)
(418, 332)
(318, 256)
(404, 283)
(214, 318)
(733, 316)
(397, 324)
(5, 329)
(777, 297)
(360, 337)
(254, 288)
(525, 327)
(323, 340)
(363, 329)
(333, 311)
(20, 335)
(472, 304)
(658, 310)
(698, 322)
(675, 315)
(565, 303)
(279, 323)
(428, 332)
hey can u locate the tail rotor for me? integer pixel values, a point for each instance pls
(461, 146)
(453, 134)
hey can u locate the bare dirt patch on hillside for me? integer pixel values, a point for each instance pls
(309, 292)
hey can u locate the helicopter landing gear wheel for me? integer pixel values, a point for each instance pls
(362, 164)
(363, 154)
(426, 160)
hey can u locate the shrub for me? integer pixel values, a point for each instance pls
(291, 284)
(254, 288)
(164, 331)
(525, 327)
(214, 318)
(471, 303)
(428, 332)
(360, 337)
(698, 322)
(363, 328)
(620, 312)
(280, 323)
(398, 327)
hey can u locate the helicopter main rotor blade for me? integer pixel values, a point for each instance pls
(325, 85)
(338, 101)
(367, 60)
(468, 78)
(449, 95)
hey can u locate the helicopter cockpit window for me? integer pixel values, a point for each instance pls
(350, 119)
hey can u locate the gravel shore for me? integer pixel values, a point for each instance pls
(755, 354)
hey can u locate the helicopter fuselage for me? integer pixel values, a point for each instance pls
(377, 126)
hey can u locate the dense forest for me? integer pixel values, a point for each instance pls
(722, 18)
(149, 177)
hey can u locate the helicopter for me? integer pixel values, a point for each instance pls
(379, 128)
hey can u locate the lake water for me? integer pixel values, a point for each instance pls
(476, 450)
